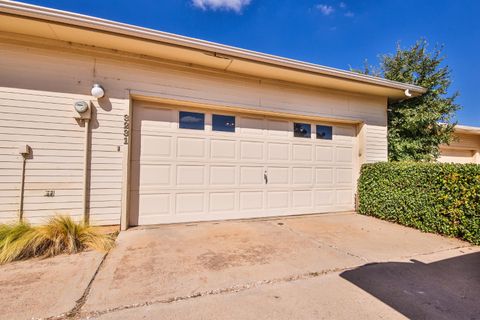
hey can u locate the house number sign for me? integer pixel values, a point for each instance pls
(126, 128)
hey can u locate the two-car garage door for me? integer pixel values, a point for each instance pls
(196, 165)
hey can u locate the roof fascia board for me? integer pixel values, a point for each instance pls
(467, 129)
(89, 22)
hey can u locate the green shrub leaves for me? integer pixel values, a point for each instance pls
(433, 197)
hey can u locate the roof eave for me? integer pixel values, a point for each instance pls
(73, 19)
(467, 129)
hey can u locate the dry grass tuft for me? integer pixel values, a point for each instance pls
(60, 235)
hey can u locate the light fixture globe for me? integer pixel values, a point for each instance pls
(97, 91)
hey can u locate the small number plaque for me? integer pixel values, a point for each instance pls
(126, 128)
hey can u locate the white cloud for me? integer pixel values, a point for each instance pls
(349, 14)
(326, 10)
(234, 5)
(343, 5)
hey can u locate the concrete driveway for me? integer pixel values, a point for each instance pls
(330, 266)
(340, 266)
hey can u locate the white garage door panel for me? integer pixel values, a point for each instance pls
(190, 175)
(223, 175)
(190, 148)
(223, 149)
(193, 202)
(302, 199)
(302, 152)
(251, 150)
(154, 147)
(324, 154)
(154, 175)
(324, 198)
(222, 201)
(302, 176)
(183, 175)
(344, 197)
(251, 176)
(278, 151)
(154, 204)
(344, 176)
(344, 154)
(251, 200)
(324, 176)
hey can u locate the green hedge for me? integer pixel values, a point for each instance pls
(432, 197)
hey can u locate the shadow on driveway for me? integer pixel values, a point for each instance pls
(446, 289)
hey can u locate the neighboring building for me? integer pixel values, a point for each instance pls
(188, 130)
(465, 148)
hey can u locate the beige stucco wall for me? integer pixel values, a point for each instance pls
(40, 82)
(464, 149)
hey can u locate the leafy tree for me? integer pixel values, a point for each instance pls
(417, 126)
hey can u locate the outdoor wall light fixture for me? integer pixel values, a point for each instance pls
(97, 91)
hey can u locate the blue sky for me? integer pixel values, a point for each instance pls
(333, 33)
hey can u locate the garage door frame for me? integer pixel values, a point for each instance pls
(147, 97)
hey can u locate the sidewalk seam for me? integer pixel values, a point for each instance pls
(74, 312)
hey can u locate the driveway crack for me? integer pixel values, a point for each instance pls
(75, 311)
(467, 246)
(227, 290)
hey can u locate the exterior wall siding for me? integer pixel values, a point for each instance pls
(376, 146)
(466, 141)
(44, 121)
(464, 149)
(39, 85)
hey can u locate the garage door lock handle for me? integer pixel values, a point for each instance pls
(265, 176)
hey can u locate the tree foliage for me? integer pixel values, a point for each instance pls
(417, 126)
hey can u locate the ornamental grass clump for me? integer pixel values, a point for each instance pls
(61, 235)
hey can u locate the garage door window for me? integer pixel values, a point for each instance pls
(324, 132)
(302, 130)
(192, 120)
(223, 123)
